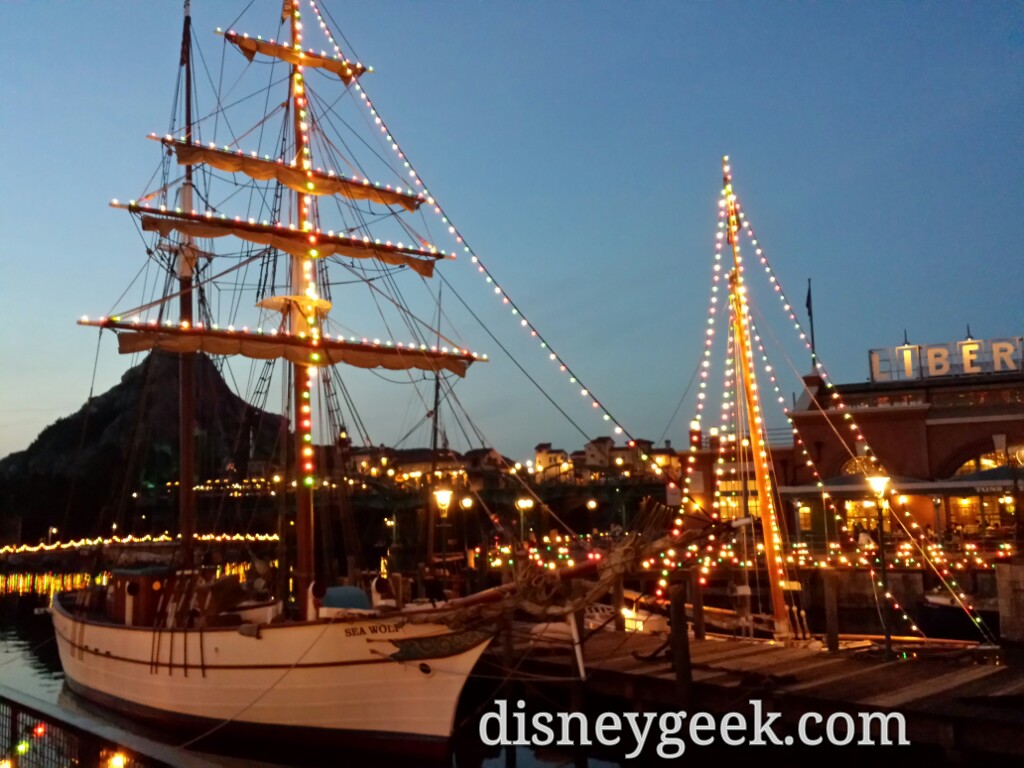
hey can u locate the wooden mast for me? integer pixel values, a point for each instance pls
(186, 361)
(303, 282)
(758, 439)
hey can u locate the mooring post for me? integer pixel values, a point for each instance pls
(618, 603)
(579, 591)
(697, 601)
(1010, 591)
(507, 650)
(680, 643)
(831, 583)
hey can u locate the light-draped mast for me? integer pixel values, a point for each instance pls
(186, 361)
(303, 282)
(758, 438)
(299, 339)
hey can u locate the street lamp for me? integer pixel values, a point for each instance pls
(50, 534)
(443, 497)
(523, 505)
(878, 485)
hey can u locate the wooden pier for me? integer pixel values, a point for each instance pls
(959, 701)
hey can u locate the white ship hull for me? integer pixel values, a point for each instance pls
(360, 676)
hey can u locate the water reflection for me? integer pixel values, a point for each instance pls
(28, 651)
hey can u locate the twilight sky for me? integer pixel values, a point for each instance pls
(877, 148)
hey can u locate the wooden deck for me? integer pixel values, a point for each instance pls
(958, 701)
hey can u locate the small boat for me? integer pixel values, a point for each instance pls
(943, 614)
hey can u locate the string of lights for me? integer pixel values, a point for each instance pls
(488, 276)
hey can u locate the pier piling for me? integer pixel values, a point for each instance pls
(680, 644)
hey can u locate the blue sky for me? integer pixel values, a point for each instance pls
(877, 148)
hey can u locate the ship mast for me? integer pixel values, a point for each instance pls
(303, 284)
(186, 361)
(301, 341)
(759, 443)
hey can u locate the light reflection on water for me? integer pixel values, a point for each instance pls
(28, 651)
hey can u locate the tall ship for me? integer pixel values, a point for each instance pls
(263, 198)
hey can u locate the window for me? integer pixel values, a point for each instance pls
(965, 511)
(803, 514)
(865, 513)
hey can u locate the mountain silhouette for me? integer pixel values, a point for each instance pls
(80, 471)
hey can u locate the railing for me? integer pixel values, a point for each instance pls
(37, 734)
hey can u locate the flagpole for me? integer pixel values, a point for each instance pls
(810, 317)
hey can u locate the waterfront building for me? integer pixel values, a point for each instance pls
(945, 421)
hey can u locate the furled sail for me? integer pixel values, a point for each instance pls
(293, 241)
(303, 350)
(305, 182)
(348, 71)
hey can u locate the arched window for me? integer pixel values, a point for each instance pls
(860, 465)
(992, 460)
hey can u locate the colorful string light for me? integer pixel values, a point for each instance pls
(489, 279)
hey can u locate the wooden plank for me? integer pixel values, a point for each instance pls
(618, 658)
(932, 686)
(716, 677)
(800, 668)
(703, 654)
(849, 669)
(876, 681)
(765, 662)
(979, 690)
(627, 665)
(1016, 686)
(609, 642)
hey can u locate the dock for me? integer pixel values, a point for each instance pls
(960, 702)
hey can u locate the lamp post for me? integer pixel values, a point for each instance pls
(878, 485)
(49, 535)
(522, 505)
(443, 497)
(1018, 514)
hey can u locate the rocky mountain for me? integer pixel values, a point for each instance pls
(80, 469)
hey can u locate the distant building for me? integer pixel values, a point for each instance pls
(552, 464)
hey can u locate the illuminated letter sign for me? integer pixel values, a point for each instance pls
(938, 361)
(969, 357)
(876, 371)
(969, 354)
(1002, 356)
